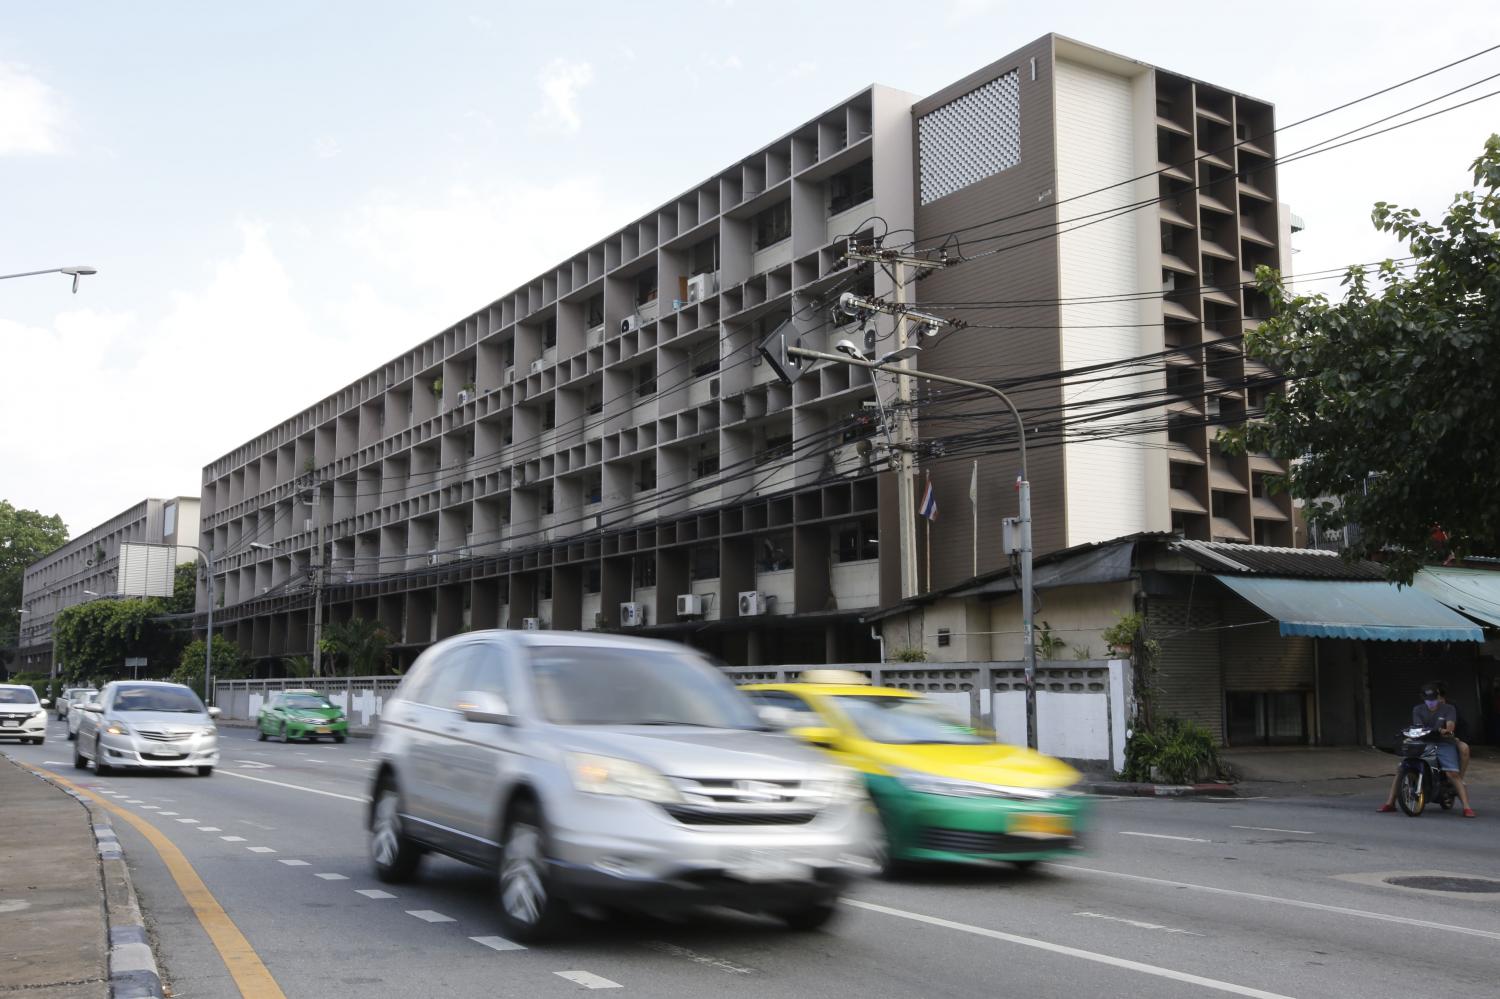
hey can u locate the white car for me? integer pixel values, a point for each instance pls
(79, 698)
(23, 716)
(149, 724)
(68, 697)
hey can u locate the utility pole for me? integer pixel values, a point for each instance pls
(902, 269)
(318, 573)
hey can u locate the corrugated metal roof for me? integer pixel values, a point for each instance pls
(1264, 560)
(1473, 592)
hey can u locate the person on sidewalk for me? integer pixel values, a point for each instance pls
(1437, 714)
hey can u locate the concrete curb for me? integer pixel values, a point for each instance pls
(133, 972)
(1126, 789)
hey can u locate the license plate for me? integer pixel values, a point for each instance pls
(9, 722)
(323, 730)
(1041, 824)
(754, 865)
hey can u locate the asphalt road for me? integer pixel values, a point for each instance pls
(1175, 897)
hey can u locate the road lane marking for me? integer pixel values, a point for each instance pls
(169, 813)
(298, 787)
(250, 975)
(429, 916)
(373, 893)
(1181, 839)
(233, 839)
(260, 849)
(588, 980)
(674, 950)
(1294, 832)
(150, 808)
(191, 822)
(1085, 955)
(1137, 923)
(498, 943)
(294, 863)
(1295, 903)
(209, 829)
(333, 877)
(133, 801)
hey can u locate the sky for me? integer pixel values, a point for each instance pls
(280, 197)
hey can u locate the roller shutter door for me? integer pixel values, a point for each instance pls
(1257, 657)
(1189, 678)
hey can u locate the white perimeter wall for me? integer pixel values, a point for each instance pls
(1102, 112)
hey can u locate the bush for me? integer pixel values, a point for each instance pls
(1175, 752)
(909, 654)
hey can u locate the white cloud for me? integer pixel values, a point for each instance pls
(326, 147)
(802, 70)
(30, 114)
(729, 62)
(560, 82)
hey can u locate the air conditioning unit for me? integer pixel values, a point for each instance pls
(594, 336)
(752, 603)
(700, 286)
(630, 324)
(432, 557)
(1211, 406)
(463, 396)
(88, 563)
(307, 524)
(510, 375)
(464, 553)
(537, 366)
(632, 614)
(689, 605)
(531, 623)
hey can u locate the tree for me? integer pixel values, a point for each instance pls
(1389, 409)
(184, 589)
(360, 643)
(25, 536)
(100, 635)
(229, 663)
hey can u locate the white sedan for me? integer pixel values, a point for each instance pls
(74, 717)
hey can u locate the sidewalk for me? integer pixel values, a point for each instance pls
(52, 895)
(1335, 770)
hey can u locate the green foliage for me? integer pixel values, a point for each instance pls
(437, 388)
(1390, 405)
(184, 590)
(299, 666)
(1082, 652)
(36, 681)
(1048, 644)
(909, 654)
(359, 644)
(25, 536)
(1174, 751)
(98, 636)
(1124, 631)
(229, 663)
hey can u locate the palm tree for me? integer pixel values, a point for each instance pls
(360, 643)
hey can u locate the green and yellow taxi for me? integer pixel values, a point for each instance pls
(301, 714)
(942, 790)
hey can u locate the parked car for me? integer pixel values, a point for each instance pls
(75, 716)
(147, 723)
(23, 715)
(300, 714)
(67, 697)
(943, 791)
(585, 769)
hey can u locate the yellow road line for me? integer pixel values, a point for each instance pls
(250, 975)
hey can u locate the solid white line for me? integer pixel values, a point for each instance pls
(373, 893)
(429, 916)
(1085, 955)
(1293, 902)
(296, 787)
(588, 980)
(260, 849)
(233, 839)
(294, 863)
(1295, 832)
(498, 943)
(333, 877)
(1182, 839)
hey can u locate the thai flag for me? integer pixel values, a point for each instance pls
(928, 508)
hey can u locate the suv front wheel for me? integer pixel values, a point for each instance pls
(393, 853)
(528, 909)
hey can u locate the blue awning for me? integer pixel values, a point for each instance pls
(1328, 608)
(1472, 592)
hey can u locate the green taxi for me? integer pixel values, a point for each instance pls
(301, 714)
(941, 790)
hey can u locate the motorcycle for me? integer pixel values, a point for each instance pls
(1420, 779)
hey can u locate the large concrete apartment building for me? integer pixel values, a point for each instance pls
(602, 447)
(85, 569)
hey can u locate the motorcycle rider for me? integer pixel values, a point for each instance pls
(1437, 715)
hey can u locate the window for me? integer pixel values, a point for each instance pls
(775, 553)
(591, 578)
(449, 675)
(549, 334)
(944, 637)
(645, 380)
(645, 287)
(703, 563)
(644, 570)
(773, 225)
(803, 715)
(620, 686)
(593, 311)
(646, 475)
(854, 186)
(549, 415)
(905, 721)
(168, 519)
(858, 542)
(544, 585)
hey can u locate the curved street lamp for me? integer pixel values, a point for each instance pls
(76, 273)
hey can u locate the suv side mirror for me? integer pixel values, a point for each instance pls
(484, 707)
(46, 702)
(214, 712)
(819, 735)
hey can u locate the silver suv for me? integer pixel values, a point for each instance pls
(589, 769)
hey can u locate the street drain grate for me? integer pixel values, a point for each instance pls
(1436, 883)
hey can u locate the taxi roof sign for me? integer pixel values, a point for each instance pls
(845, 676)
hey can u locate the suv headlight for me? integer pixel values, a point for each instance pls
(116, 728)
(607, 775)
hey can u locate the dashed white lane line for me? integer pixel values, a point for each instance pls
(588, 980)
(359, 759)
(1180, 839)
(209, 829)
(1137, 923)
(133, 801)
(429, 916)
(333, 877)
(1294, 832)
(294, 863)
(373, 893)
(191, 822)
(297, 787)
(150, 808)
(233, 839)
(498, 943)
(708, 960)
(169, 813)
(1085, 955)
(260, 849)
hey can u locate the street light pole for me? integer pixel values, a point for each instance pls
(74, 272)
(1024, 489)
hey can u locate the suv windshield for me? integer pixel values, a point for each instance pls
(905, 720)
(17, 695)
(305, 701)
(588, 685)
(157, 699)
